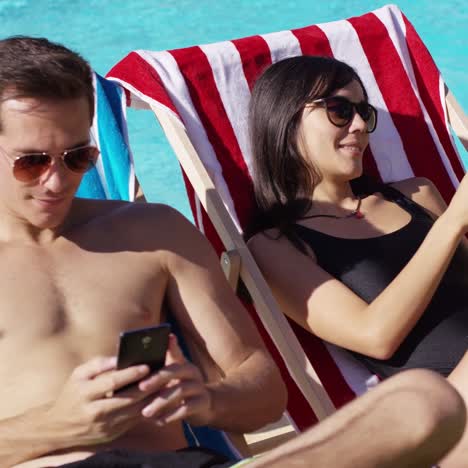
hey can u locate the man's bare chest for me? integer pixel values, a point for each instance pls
(77, 291)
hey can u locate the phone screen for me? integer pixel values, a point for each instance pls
(144, 346)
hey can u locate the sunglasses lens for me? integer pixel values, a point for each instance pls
(340, 111)
(372, 122)
(368, 114)
(31, 166)
(81, 159)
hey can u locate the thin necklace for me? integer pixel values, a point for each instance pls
(356, 213)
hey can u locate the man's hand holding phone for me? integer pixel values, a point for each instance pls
(83, 414)
(178, 389)
(101, 399)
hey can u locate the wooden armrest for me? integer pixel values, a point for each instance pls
(230, 263)
(270, 436)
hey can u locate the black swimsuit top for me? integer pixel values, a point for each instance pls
(367, 266)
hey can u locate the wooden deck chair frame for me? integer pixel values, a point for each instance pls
(237, 262)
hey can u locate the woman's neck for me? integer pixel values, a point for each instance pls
(336, 194)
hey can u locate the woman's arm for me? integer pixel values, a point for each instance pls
(325, 306)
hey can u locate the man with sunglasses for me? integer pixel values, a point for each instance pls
(75, 273)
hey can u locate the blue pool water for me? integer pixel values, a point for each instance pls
(106, 30)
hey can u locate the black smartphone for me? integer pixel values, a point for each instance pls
(144, 346)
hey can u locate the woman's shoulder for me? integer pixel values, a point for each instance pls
(272, 243)
(414, 184)
(423, 192)
(264, 239)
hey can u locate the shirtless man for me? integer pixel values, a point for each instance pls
(75, 272)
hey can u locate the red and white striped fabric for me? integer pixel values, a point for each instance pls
(208, 89)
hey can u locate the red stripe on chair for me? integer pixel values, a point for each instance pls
(428, 79)
(255, 56)
(204, 224)
(400, 99)
(313, 41)
(128, 97)
(208, 104)
(137, 72)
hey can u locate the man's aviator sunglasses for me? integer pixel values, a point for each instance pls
(30, 166)
(341, 111)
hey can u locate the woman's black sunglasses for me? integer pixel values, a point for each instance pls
(341, 111)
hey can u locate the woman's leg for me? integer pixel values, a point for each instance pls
(459, 379)
(410, 420)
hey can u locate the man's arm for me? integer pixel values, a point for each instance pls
(250, 392)
(28, 436)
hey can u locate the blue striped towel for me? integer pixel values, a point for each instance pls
(113, 177)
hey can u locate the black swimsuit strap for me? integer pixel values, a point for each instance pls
(389, 193)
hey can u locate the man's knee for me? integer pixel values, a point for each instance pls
(429, 404)
(431, 389)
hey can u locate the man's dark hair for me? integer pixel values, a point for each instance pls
(37, 68)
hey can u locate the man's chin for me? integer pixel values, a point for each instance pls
(47, 222)
(49, 215)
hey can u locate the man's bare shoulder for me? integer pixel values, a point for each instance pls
(86, 210)
(152, 225)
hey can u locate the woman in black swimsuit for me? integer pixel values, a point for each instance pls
(381, 270)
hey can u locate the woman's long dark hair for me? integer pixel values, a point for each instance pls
(283, 180)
